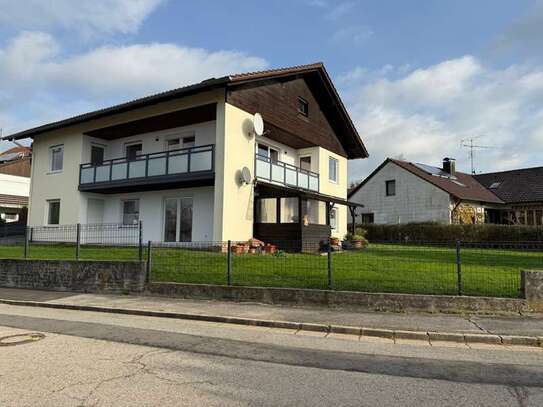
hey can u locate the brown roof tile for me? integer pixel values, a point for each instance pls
(516, 186)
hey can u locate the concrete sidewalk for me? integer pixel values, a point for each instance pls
(502, 326)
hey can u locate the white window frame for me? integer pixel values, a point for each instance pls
(122, 210)
(269, 147)
(51, 150)
(336, 162)
(334, 211)
(179, 136)
(305, 156)
(47, 212)
(102, 146)
(132, 143)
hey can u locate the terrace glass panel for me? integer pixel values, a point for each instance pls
(102, 173)
(157, 166)
(303, 180)
(313, 183)
(87, 175)
(137, 169)
(178, 164)
(291, 177)
(262, 169)
(278, 173)
(118, 171)
(201, 161)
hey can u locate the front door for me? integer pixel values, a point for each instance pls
(178, 220)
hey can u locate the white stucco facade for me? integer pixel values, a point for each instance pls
(222, 211)
(415, 200)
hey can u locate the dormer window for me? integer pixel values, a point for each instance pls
(303, 107)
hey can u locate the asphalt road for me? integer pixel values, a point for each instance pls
(93, 359)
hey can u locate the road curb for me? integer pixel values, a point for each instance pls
(509, 340)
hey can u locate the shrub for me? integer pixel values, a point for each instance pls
(435, 232)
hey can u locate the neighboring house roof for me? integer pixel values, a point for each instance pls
(516, 186)
(359, 150)
(13, 200)
(463, 186)
(15, 153)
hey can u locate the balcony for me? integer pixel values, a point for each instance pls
(278, 172)
(185, 167)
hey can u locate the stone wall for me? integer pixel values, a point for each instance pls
(532, 288)
(72, 275)
(344, 299)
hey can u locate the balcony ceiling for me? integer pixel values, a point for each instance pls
(165, 121)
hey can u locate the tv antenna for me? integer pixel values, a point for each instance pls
(468, 143)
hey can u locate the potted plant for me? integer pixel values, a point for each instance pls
(356, 241)
(237, 249)
(270, 249)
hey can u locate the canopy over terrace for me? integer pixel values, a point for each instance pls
(299, 216)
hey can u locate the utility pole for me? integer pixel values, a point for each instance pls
(468, 143)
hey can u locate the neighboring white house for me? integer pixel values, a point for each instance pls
(404, 192)
(174, 161)
(14, 192)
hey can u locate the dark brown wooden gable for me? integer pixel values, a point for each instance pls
(277, 101)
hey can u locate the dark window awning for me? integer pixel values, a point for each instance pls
(266, 190)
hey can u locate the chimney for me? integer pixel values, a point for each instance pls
(449, 166)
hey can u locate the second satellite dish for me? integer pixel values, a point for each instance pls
(245, 176)
(258, 124)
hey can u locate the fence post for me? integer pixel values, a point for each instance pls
(459, 267)
(78, 241)
(140, 242)
(26, 241)
(148, 265)
(329, 263)
(229, 263)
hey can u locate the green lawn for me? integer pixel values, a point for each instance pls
(379, 268)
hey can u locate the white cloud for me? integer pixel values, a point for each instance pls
(423, 114)
(87, 17)
(39, 83)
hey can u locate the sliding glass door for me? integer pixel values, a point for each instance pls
(178, 220)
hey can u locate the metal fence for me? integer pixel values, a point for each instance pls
(78, 241)
(420, 268)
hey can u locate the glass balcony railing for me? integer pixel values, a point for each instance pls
(186, 161)
(279, 172)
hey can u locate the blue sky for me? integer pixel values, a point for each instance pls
(417, 77)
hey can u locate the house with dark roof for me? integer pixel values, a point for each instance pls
(194, 164)
(522, 192)
(403, 192)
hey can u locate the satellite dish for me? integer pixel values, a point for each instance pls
(245, 176)
(258, 124)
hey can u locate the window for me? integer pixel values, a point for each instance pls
(132, 151)
(266, 210)
(305, 163)
(173, 144)
(303, 107)
(53, 212)
(269, 152)
(333, 218)
(367, 218)
(131, 212)
(97, 154)
(189, 141)
(332, 169)
(313, 212)
(289, 210)
(390, 187)
(57, 158)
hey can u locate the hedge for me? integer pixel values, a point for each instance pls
(447, 233)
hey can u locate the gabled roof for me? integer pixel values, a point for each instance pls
(15, 153)
(463, 186)
(516, 186)
(358, 150)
